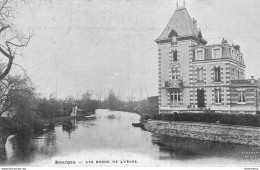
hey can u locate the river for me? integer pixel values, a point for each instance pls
(109, 139)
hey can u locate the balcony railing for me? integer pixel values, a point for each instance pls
(245, 82)
(174, 84)
(200, 81)
(217, 80)
(175, 103)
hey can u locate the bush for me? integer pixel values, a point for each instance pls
(231, 119)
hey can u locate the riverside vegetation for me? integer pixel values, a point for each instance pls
(24, 111)
(113, 102)
(230, 119)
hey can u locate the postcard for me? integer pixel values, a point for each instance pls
(129, 83)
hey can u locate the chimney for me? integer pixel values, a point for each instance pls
(224, 41)
(195, 22)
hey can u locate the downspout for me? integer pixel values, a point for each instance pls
(229, 88)
(257, 101)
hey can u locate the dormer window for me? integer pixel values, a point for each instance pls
(216, 53)
(231, 52)
(199, 54)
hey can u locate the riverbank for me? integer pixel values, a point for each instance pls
(6, 129)
(206, 131)
(59, 120)
(8, 126)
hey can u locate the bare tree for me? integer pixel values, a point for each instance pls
(11, 40)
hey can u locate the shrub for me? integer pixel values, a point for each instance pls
(231, 119)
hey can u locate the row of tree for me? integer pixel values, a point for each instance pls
(19, 101)
(113, 102)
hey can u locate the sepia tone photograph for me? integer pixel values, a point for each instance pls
(129, 83)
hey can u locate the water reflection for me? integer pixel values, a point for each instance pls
(69, 126)
(184, 148)
(110, 135)
(24, 149)
(3, 156)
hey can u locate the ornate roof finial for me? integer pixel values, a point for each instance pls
(177, 5)
(184, 3)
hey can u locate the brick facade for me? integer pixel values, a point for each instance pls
(196, 76)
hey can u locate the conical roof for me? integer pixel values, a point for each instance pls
(182, 24)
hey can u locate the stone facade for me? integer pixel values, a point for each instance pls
(196, 76)
(203, 131)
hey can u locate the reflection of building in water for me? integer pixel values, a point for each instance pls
(196, 76)
(69, 126)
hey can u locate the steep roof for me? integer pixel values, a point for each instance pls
(182, 24)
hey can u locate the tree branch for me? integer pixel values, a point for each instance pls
(3, 28)
(8, 68)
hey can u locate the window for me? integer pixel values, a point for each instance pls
(216, 53)
(232, 73)
(231, 52)
(238, 75)
(175, 73)
(200, 74)
(217, 74)
(199, 55)
(218, 96)
(174, 55)
(241, 97)
(175, 98)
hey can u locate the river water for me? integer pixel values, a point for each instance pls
(109, 139)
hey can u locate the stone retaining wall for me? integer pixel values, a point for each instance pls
(203, 131)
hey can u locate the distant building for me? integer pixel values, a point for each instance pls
(74, 109)
(196, 76)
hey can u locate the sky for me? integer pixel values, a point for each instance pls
(98, 45)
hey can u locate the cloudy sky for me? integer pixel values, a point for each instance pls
(109, 44)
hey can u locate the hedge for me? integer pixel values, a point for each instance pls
(231, 119)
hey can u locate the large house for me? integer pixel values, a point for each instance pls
(194, 76)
